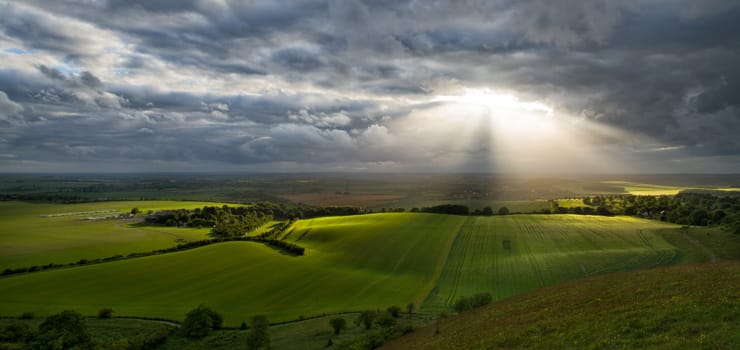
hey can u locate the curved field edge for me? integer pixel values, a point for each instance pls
(43, 233)
(241, 279)
(507, 255)
(685, 306)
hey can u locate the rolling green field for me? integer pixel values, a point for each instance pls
(38, 234)
(542, 250)
(351, 263)
(679, 307)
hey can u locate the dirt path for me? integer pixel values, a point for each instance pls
(713, 258)
(169, 323)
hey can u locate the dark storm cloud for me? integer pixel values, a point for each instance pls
(264, 81)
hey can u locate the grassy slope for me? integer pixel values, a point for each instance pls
(687, 306)
(364, 262)
(545, 249)
(30, 237)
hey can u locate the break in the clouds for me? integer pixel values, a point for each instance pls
(347, 85)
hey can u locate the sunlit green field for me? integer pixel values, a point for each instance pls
(511, 254)
(38, 234)
(351, 263)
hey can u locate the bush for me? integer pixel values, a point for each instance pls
(105, 313)
(65, 330)
(338, 324)
(199, 322)
(395, 311)
(16, 332)
(477, 300)
(26, 316)
(259, 337)
(386, 321)
(366, 318)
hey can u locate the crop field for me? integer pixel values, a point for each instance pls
(351, 263)
(511, 254)
(369, 261)
(38, 234)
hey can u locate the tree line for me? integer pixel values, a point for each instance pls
(236, 221)
(685, 208)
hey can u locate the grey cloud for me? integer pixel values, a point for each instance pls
(663, 69)
(8, 108)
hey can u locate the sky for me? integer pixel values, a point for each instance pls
(527, 86)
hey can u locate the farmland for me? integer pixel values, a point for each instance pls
(352, 255)
(351, 263)
(511, 254)
(37, 234)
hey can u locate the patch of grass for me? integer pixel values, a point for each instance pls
(724, 244)
(507, 255)
(39, 234)
(681, 307)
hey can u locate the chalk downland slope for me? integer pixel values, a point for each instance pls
(681, 307)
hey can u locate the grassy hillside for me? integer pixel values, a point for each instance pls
(351, 263)
(365, 262)
(682, 307)
(511, 254)
(38, 234)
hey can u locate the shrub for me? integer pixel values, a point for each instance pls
(105, 313)
(338, 324)
(26, 315)
(199, 322)
(395, 311)
(259, 337)
(65, 330)
(366, 318)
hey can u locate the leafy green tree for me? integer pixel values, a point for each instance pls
(200, 321)
(386, 321)
(395, 311)
(503, 211)
(410, 307)
(487, 211)
(135, 211)
(366, 318)
(65, 330)
(338, 324)
(259, 337)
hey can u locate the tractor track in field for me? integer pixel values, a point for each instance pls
(713, 258)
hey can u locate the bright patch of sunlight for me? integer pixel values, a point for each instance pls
(487, 130)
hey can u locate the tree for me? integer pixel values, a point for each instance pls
(410, 307)
(338, 324)
(259, 337)
(105, 313)
(463, 303)
(199, 322)
(65, 330)
(394, 310)
(386, 321)
(503, 211)
(487, 211)
(135, 211)
(16, 332)
(366, 318)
